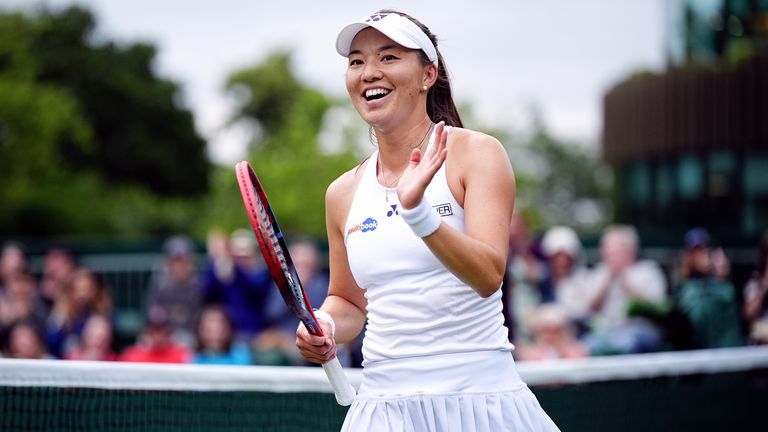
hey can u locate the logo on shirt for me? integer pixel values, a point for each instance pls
(369, 224)
(443, 209)
(393, 211)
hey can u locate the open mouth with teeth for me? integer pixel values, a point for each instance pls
(374, 94)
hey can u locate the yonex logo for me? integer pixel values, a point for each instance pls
(376, 17)
(369, 224)
(393, 211)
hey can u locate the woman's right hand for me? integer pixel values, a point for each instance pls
(316, 349)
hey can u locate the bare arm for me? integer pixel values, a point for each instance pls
(345, 302)
(479, 170)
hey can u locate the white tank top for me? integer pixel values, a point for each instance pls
(416, 307)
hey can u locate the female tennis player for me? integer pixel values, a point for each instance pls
(418, 244)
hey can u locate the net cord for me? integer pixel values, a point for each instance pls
(286, 379)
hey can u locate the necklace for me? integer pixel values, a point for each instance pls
(389, 186)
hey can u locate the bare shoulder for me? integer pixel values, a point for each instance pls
(345, 185)
(467, 147)
(463, 141)
(338, 196)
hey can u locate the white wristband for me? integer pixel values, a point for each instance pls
(325, 316)
(422, 219)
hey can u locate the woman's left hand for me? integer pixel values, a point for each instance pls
(421, 169)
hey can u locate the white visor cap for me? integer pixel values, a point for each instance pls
(561, 239)
(394, 26)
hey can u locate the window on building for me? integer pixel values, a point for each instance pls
(639, 184)
(690, 177)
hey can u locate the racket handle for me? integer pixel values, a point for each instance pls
(345, 393)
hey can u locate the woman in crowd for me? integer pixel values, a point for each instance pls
(216, 341)
(83, 296)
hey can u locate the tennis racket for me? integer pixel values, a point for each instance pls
(281, 267)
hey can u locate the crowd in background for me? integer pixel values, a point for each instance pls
(563, 307)
(220, 310)
(224, 309)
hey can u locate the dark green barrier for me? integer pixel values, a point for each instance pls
(700, 403)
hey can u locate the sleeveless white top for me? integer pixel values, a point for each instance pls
(436, 354)
(416, 307)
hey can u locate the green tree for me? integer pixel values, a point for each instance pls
(141, 134)
(284, 152)
(91, 142)
(565, 182)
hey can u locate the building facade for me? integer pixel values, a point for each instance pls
(689, 146)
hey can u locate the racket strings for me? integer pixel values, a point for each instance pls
(273, 248)
(277, 250)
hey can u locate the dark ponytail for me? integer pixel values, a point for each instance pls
(440, 104)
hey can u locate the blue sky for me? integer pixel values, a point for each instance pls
(504, 55)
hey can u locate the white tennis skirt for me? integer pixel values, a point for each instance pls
(464, 392)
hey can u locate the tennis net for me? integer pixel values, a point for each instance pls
(695, 390)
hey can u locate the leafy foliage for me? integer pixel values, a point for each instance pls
(286, 154)
(91, 141)
(141, 136)
(563, 183)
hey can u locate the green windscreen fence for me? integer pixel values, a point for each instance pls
(87, 409)
(712, 390)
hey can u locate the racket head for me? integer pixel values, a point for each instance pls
(273, 247)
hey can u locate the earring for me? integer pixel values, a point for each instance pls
(424, 88)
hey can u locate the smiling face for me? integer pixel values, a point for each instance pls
(385, 80)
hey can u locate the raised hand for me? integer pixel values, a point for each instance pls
(421, 169)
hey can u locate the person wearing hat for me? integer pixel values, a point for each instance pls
(705, 297)
(418, 240)
(552, 335)
(177, 288)
(565, 273)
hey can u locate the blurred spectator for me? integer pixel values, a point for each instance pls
(552, 335)
(520, 291)
(755, 307)
(281, 335)
(618, 285)
(96, 341)
(243, 294)
(58, 268)
(25, 341)
(216, 340)
(19, 301)
(721, 265)
(708, 301)
(565, 277)
(85, 295)
(177, 288)
(156, 343)
(219, 256)
(307, 261)
(12, 262)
